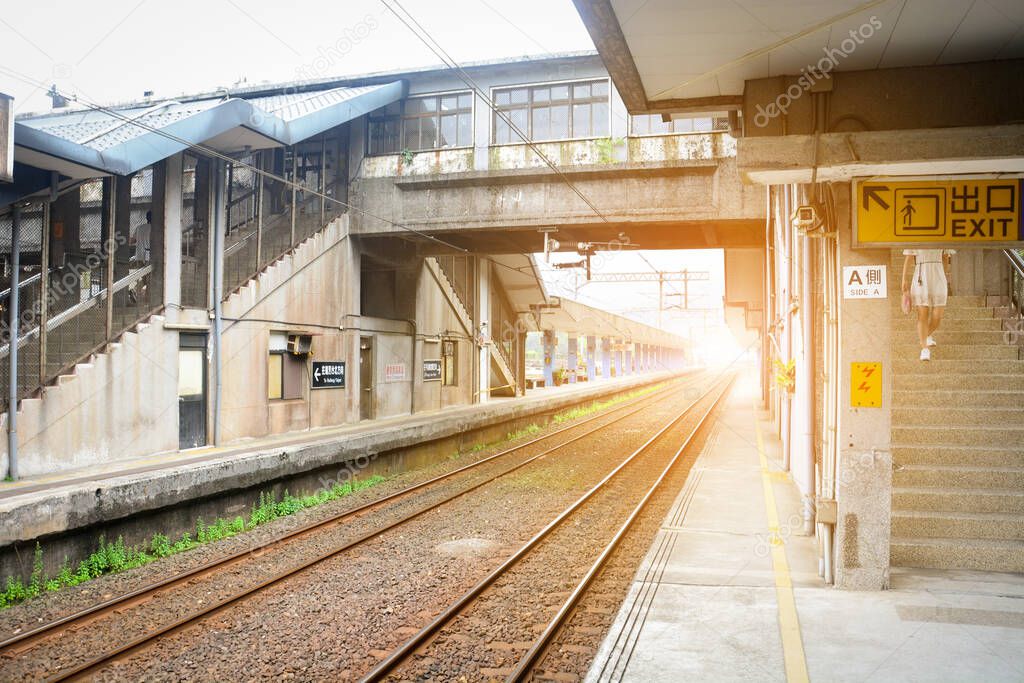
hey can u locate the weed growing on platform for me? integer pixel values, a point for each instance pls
(112, 557)
(572, 414)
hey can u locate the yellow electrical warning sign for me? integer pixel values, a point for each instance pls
(961, 212)
(866, 385)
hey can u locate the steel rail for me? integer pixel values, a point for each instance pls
(45, 630)
(534, 655)
(144, 593)
(402, 652)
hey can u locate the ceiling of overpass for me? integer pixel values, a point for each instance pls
(707, 48)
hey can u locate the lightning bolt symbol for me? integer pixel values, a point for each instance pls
(868, 371)
(864, 387)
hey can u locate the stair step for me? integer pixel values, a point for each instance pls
(914, 524)
(998, 437)
(1003, 501)
(959, 352)
(956, 383)
(950, 416)
(965, 398)
(950, 313)
(958, 477)
(955, 301)
(958, 553)
(946, 338)
(907, 323)
(969, 456)
(957, 367)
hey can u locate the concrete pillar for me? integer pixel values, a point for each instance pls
(616, 360)
(630, 368)
(548, 344)
(483, 312)
(572, 357)
(591, 353)
(171, 256)
(606, 357)
(864, 467)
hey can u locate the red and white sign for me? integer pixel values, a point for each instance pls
(394, 372)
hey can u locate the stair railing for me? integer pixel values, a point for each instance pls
(1016, 260)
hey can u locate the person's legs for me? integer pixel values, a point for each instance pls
(935, 319)
(923, 325)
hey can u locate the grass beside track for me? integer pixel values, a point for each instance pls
(111, 557)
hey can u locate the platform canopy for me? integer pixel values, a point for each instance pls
(81, 143)
(575, 317)
(692, 55)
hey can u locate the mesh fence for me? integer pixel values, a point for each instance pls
(25, 332)
(195, 199)
(277, 207)
(309, 217)
(76, 289)
(137, 287)
(459, 272)
(242, 230)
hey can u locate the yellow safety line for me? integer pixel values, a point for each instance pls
(789, 623)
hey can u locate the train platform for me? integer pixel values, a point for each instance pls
(62, 502)
(716, 600)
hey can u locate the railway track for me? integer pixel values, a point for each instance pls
(424, 656)
(24, 643)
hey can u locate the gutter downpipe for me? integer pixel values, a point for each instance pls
(807, 380)
(218, 291)
(787, 339)
(412, 370)
(12, 356)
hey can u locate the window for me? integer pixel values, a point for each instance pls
(652, 124)
(449, 376)
(284, 370)
(553, 112)
(423, 122)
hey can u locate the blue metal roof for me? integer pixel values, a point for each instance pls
(98, 140)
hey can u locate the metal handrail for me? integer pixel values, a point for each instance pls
(24, 283)
(1016, 278)
(79, 308)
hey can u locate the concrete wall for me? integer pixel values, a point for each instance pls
(121, 404)
(893, 99)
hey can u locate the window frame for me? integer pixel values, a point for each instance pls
(492, 139)
(450, 362)
(288, 392)
(402, 115)
(634, 134)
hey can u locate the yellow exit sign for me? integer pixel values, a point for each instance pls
(949, 211)
(866, 385)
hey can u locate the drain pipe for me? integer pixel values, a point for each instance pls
(12, 345)
(787, 338)
(412, 370)
(218, 290)
(807, 380)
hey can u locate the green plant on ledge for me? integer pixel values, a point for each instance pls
(407, 155)
(606, 149)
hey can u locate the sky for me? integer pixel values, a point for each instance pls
(114, 51)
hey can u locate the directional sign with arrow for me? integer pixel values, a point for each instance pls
(328, 374)
(939, 211)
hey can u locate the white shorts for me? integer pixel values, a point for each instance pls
(929, 286)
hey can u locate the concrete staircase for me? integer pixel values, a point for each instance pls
(958, 443)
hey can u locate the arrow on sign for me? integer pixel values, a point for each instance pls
(872, 193)
(316, 374)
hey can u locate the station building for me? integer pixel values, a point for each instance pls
(868, 128)
(260, 260)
